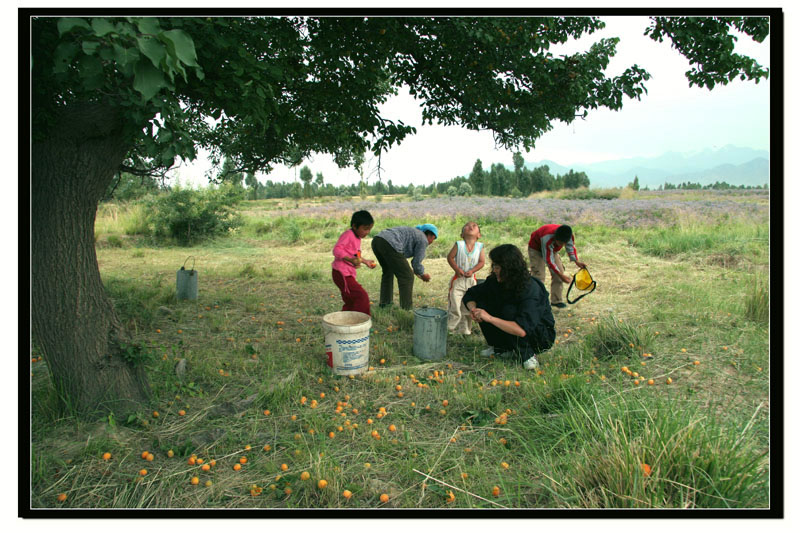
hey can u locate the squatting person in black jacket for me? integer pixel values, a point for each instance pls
(512, 309)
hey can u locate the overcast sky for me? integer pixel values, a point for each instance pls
(670, 117)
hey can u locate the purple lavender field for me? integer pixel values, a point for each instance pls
(649, 208)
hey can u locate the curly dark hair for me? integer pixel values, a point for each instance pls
(513, 267)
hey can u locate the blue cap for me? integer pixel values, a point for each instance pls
(429, 227)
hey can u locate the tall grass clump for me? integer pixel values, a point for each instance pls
(756, 301)
(614, 337)
(118, 218)
(647, 452)
(135, 223)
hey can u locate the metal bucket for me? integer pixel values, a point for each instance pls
(347, 341)
(430, 333)
(186, 282)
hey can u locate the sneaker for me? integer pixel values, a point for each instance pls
(531, 363)
(560, 305)
(488, 352)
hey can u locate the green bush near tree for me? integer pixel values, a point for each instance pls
(187, 216)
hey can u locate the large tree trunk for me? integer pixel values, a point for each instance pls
(73, 320)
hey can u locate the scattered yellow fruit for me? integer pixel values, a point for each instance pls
(347, 494)
(304, 476)
(322, 484)
(384, 498)
(195, 480)
(106, 456)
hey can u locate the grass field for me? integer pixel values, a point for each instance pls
(682, 300)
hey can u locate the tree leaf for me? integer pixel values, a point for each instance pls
(66, 25)
(153, 49)
(91, 71)
(90, 47)
(148, 25)
(125, 58)
(63, 55)
(184, 46)
(148, 80)
(102, 27)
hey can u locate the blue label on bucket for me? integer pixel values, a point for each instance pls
(345, 344)
(350, 367)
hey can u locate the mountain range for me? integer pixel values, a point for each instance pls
(731, 164)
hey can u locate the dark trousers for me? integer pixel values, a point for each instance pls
(505, 342)
(393, 265)
(354, 296)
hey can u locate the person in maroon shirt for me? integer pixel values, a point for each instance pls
(543, 248)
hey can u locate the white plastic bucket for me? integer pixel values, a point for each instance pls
(347, 341)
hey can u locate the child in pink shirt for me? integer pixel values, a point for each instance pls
(347, 258)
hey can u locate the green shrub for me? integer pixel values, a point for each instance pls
(188, 215)
(293, 231)
(127, 187)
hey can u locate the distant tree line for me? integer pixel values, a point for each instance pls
(498, 180)
(717, 185)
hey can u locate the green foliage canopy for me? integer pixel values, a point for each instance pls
(266, 90)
